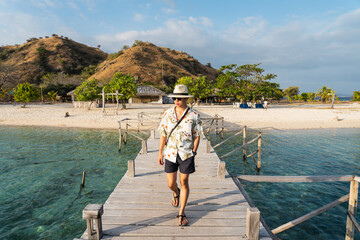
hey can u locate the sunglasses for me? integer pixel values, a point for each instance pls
(179, 99)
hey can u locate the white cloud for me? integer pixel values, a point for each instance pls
(138, 17)
(168, 10)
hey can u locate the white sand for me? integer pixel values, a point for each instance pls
(278, 117)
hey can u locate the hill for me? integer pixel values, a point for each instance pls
(39, 56)
(149, 63)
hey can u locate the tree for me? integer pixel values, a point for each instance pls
(26, 92)
(88, 91)
(52, 95)
(311, 96)
(246, 82)
(290, 92)
(356, 96)
(125, 84)
(199, 87)
(305, 96)
(325, 94)
(7, 76)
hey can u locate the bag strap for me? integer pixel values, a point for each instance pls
(177, 124)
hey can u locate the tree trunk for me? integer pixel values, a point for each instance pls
(24, 105)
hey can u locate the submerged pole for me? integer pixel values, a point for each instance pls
(244, 142)
(258, 165)
(83, 179)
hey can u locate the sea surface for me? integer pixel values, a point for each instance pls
(40, 176)
(41, 170)
(299, 152)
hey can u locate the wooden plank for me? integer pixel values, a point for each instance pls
(354, 221)
(199, 222)
(310, 215)
(329, 178)
(133, 230)
(168, 206)
(177, 238)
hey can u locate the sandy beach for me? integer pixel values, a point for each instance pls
(276, 117)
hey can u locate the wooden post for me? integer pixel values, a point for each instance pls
(221, 170)
(117, 101)
(207, 146)
(252, 223)
(144, 147)
(217, 125)
(91, 213)
(258, 165)
(222, 128)
(244, 141)
(83, 179)
(152, 134)
(120, 135)
(131, 168)
(126, 133)
(103, 100)
(354, 188)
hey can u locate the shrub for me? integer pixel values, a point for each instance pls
(26, 92)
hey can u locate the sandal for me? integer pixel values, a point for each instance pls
(176, 204)
(181, 220)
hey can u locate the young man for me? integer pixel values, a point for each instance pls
(180, 130)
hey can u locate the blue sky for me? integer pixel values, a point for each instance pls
(306, 43)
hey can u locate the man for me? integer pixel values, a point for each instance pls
(180, 130)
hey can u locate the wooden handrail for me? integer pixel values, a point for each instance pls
(242, 146)
(329, 178)
(310, 215)
(354, 221)
(228, 139)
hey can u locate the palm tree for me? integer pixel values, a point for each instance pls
(324, 93)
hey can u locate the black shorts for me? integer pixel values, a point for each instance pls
(186, 167)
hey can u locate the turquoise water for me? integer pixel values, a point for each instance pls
(305, 152)
(40, 176)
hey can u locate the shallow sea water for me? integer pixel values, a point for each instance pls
(41, 170)
(295, 152)
(40, 176)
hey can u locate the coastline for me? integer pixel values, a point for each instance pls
(276, 117)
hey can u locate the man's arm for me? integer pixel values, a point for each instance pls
(196, 143)
(161, 149)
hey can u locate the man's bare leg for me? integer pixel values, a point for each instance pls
(185, 191)
(171, 179)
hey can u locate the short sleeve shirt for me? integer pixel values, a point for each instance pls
(182, 138)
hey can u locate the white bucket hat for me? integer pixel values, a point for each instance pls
(180, 91)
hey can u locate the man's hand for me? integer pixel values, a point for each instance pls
(161, 159)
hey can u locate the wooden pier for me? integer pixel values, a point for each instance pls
(140, 206)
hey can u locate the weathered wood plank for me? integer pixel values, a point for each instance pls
(133, 230)
(330, 178)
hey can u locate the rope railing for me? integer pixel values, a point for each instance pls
(352, 198)
(123, 135)
(228, 139)
(242, 146)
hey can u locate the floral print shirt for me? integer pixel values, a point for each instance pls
(182, 138)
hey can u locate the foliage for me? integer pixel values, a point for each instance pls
(88, 71)
(199, 87)
(88, 91)
(125, 84)
(112, 56)
(52, 95)
(7, 76)
(325, 94)
(42, 53)
(305, 97)
(356, 96)
(138, 43)
(125, 47)
(290, 92)
(60, 89)
(247, 82)
(26, 92)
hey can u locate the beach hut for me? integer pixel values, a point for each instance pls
(147, 94)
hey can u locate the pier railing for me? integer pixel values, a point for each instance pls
(131, 126)
(352, 198)
(245, 145)
(209, 122)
